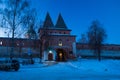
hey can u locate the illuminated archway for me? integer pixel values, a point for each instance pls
(60, 55)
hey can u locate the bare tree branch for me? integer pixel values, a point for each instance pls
(96, 36)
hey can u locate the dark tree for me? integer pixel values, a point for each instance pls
(31, 33)
(96, 36)
(31, 21)
(13, 17)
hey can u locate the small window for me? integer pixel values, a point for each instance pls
(0, 42)
(67, 39)
(23, 44)
(60, 43)
(17, 44)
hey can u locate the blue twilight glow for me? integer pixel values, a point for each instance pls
(78, 15)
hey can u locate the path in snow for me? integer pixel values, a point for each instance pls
(78, 70)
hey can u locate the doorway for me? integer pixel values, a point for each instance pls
(60, 55)
(50, 56)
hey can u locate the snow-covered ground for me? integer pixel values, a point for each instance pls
(83, 69)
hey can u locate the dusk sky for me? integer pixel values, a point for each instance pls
(78, 15)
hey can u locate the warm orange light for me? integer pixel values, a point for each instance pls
(60, 54)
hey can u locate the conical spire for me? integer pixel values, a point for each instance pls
(48, 22)
(60, 23)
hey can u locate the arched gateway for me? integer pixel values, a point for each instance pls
(60, 45)
(50, 56)
(61, 55)
(55, 55)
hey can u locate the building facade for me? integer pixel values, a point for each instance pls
(55, 43)
(58, 43)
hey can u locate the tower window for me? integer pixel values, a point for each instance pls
(60, 43)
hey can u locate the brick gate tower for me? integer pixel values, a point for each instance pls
(58, 43)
